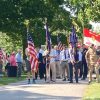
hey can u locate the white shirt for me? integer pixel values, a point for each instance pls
(41, 51)
(62, 55)
(80, 55)
(71, 55)
(52, 53)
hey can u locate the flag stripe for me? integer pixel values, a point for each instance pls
(60, 45)
(32, 52)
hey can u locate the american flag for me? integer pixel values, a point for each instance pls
(48, 38)
(60, 45)
(33, 53)
(73, 37)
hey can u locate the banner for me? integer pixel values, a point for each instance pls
(91, 38)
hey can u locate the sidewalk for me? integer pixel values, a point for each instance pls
(43, 91)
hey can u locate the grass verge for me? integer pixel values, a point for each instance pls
(7, 80)
(92, 92)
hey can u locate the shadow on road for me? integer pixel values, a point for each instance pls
(24, 95)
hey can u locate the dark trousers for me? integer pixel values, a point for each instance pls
(85, 69)
(41, 70)
(19, 69)
(80, 68)
(75, 72)
(12, 71)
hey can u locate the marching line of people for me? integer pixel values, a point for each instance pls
(67, 64)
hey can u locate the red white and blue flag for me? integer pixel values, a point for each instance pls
(32, 52)
(48, 38)
(73, 39)
(60, 45)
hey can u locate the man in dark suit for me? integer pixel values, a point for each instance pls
(84, 64)
(41, 66)
(73, 63)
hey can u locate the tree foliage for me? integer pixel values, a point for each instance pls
(13, 13)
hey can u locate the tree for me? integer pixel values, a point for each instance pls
(15, 12)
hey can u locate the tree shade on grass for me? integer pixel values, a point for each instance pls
(92, 92)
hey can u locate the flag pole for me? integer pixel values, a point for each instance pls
(27, 25)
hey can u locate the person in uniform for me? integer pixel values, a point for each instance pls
(98, 55)
(84, 64)
(91, 59)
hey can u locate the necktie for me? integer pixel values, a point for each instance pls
(65, 54)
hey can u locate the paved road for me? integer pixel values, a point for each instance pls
(43, 91)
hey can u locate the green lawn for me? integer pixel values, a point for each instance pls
(7, 80)
(92, 92)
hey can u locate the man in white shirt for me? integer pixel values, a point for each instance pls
(52, 63)
(57, 63)
(41, 50)
(19, 63)
(64, 62)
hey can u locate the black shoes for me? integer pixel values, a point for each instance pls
(83, 79)
(64, 79)
(71, 82)
(58, 77)
(33, 81)
(76, 81)
(53, 81)
(28, 81)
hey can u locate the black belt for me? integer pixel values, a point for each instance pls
(57, 60)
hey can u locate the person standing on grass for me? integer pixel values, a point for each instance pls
(13, 65)
(7, 64)
(19, 63)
